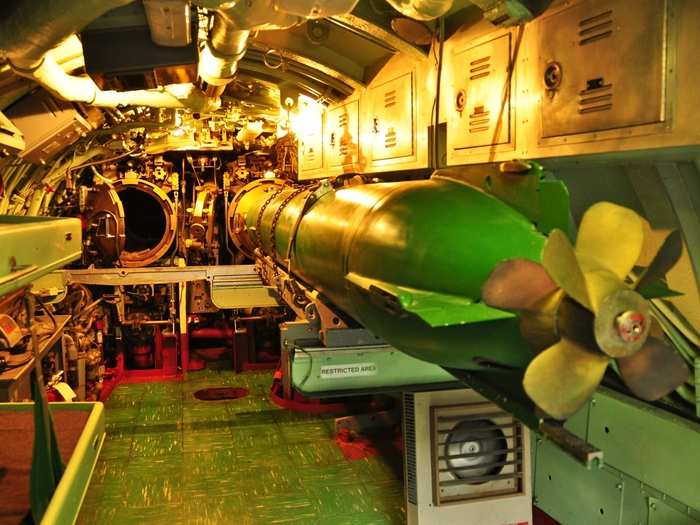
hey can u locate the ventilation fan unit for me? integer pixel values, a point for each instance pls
(467, 461)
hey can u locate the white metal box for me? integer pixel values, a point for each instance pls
(48, 125)
(466, 461)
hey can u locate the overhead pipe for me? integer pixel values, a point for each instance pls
(231, 27)
(33, 29)
(83, 89)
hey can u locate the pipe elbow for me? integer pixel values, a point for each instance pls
(52, 76)
(218, 69)
(422, 9)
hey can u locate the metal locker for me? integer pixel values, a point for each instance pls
(481, 114)
(310, 133)
(602, 66)
(342, 134)
(391, 120)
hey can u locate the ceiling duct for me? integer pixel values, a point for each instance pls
(231, 27)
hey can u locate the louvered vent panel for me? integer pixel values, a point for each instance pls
(480, 68)
(390, 138)
(409, 422)
(595, 28)
(390, 98)
(479, 120)
(597, 96)
(478, 451)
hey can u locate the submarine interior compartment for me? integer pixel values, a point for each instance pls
(349, 261)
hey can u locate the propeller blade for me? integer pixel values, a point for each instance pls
(653, 372)
(610, 237)
(539, 325)
(559, 259)
(517, 284)
(600, 284)
(665, 259)
(563, 377)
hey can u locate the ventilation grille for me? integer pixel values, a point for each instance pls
(595, 28)
(409, 429)
(343, 149)
(480, 68)
(479, 120)
(390, 98)
(478, 451)
(310, 154)
(342, 120)
(598, 96)
(390, 138)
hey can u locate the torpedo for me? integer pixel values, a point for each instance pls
(450, 274)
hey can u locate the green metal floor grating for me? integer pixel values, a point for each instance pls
(170, 458)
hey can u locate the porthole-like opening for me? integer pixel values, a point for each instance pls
(144, 219)
(149, 219)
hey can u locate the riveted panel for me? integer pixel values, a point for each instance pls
(572, 495)
(391, 120)
(481, 113)
(602, 66)
(615, 419)
(662, 514)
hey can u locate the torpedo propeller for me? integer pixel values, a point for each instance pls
(580, 308)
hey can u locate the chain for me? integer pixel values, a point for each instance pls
(278, 214)
(273, 235)
(258, 223)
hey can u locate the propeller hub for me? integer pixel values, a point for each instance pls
(621, 323)
(631, 326)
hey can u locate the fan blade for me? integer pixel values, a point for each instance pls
(559, 259)
(610, 237)
(665, 259)
(563, 377)
(653, 372)
(517, 284)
